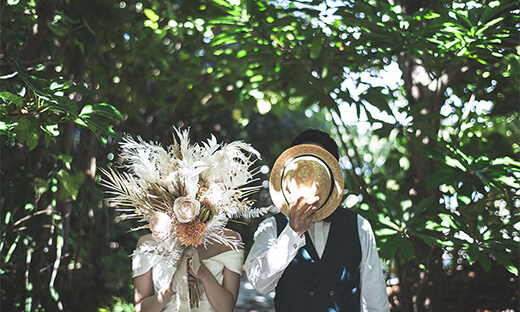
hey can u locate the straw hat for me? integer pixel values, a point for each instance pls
(307, 170)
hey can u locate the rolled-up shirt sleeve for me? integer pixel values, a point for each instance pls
(373, 287)
(271, 254)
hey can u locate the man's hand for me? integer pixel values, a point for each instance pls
(301, 213)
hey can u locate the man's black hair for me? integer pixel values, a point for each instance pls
(321, 138)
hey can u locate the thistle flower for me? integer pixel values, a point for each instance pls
(191, 233)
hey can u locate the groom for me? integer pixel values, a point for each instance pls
(326, 265)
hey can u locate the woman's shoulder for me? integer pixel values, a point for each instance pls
(143, 239)
(234, 234)
(214, 249)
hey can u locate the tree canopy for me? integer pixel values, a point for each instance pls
(422, 97)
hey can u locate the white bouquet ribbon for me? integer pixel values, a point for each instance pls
(179, 281)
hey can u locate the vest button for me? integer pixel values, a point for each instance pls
(311, 293)
(331, 292)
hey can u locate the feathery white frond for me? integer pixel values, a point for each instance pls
(208, 180)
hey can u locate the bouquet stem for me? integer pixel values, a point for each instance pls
(195, 295)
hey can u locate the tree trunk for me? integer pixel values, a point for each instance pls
(427, 284)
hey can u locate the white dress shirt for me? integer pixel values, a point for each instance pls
(271, 254)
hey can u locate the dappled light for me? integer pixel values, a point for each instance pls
(421, 97)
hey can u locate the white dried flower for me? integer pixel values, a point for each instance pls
(161, 225)
(168, 182)
(186, 209)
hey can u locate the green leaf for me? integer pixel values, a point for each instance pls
(386, 221)
(11, 98)
(60, 85)
(448, 219)
(385, 232)
(506, 161)
(61, 105)
(423, 205)
(445, 243)
(454, 163)
(473, 253)
(503, 257)
(57, 29)
(316, 47)
(7, 219)
(375, 97)
(70, 184)
(32, 140)
(432, 15)
(6, 127)
(407, 249)
(430, 241)
(11, 249)
(466, 23)
(52, 130)
(222, 3)
(510, 181)
(80, 122)
(102, 109)
(433, 153)
(96, 125)
(488, 24)
(151, 15)
(433, 226)
(66, 159)
(225, 20)
(389, 247)
(26, 132)
(40, 186)
(485, 262)
(241, 53)
(512, 268)
(256, 78)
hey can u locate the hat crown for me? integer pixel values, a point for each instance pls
(307, 170)
(306, 176)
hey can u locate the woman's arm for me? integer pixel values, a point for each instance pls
(144, 298)
(221, 297)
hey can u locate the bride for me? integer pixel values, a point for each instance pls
(219, 274)
(185, 194)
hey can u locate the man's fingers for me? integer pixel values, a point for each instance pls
(301, 202)
(310, 210)
(295, 205)
(301, 213)
(313, 201)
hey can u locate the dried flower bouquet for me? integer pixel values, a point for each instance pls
(186, 193)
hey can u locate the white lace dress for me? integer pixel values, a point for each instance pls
(142, 262)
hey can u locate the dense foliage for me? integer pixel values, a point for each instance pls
(421, 95)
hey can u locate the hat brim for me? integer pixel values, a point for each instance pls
(337, 185)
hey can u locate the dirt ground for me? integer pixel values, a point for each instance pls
(249, 300)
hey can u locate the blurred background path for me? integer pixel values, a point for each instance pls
(249, 300)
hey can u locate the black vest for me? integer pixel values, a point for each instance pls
(331, 283)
